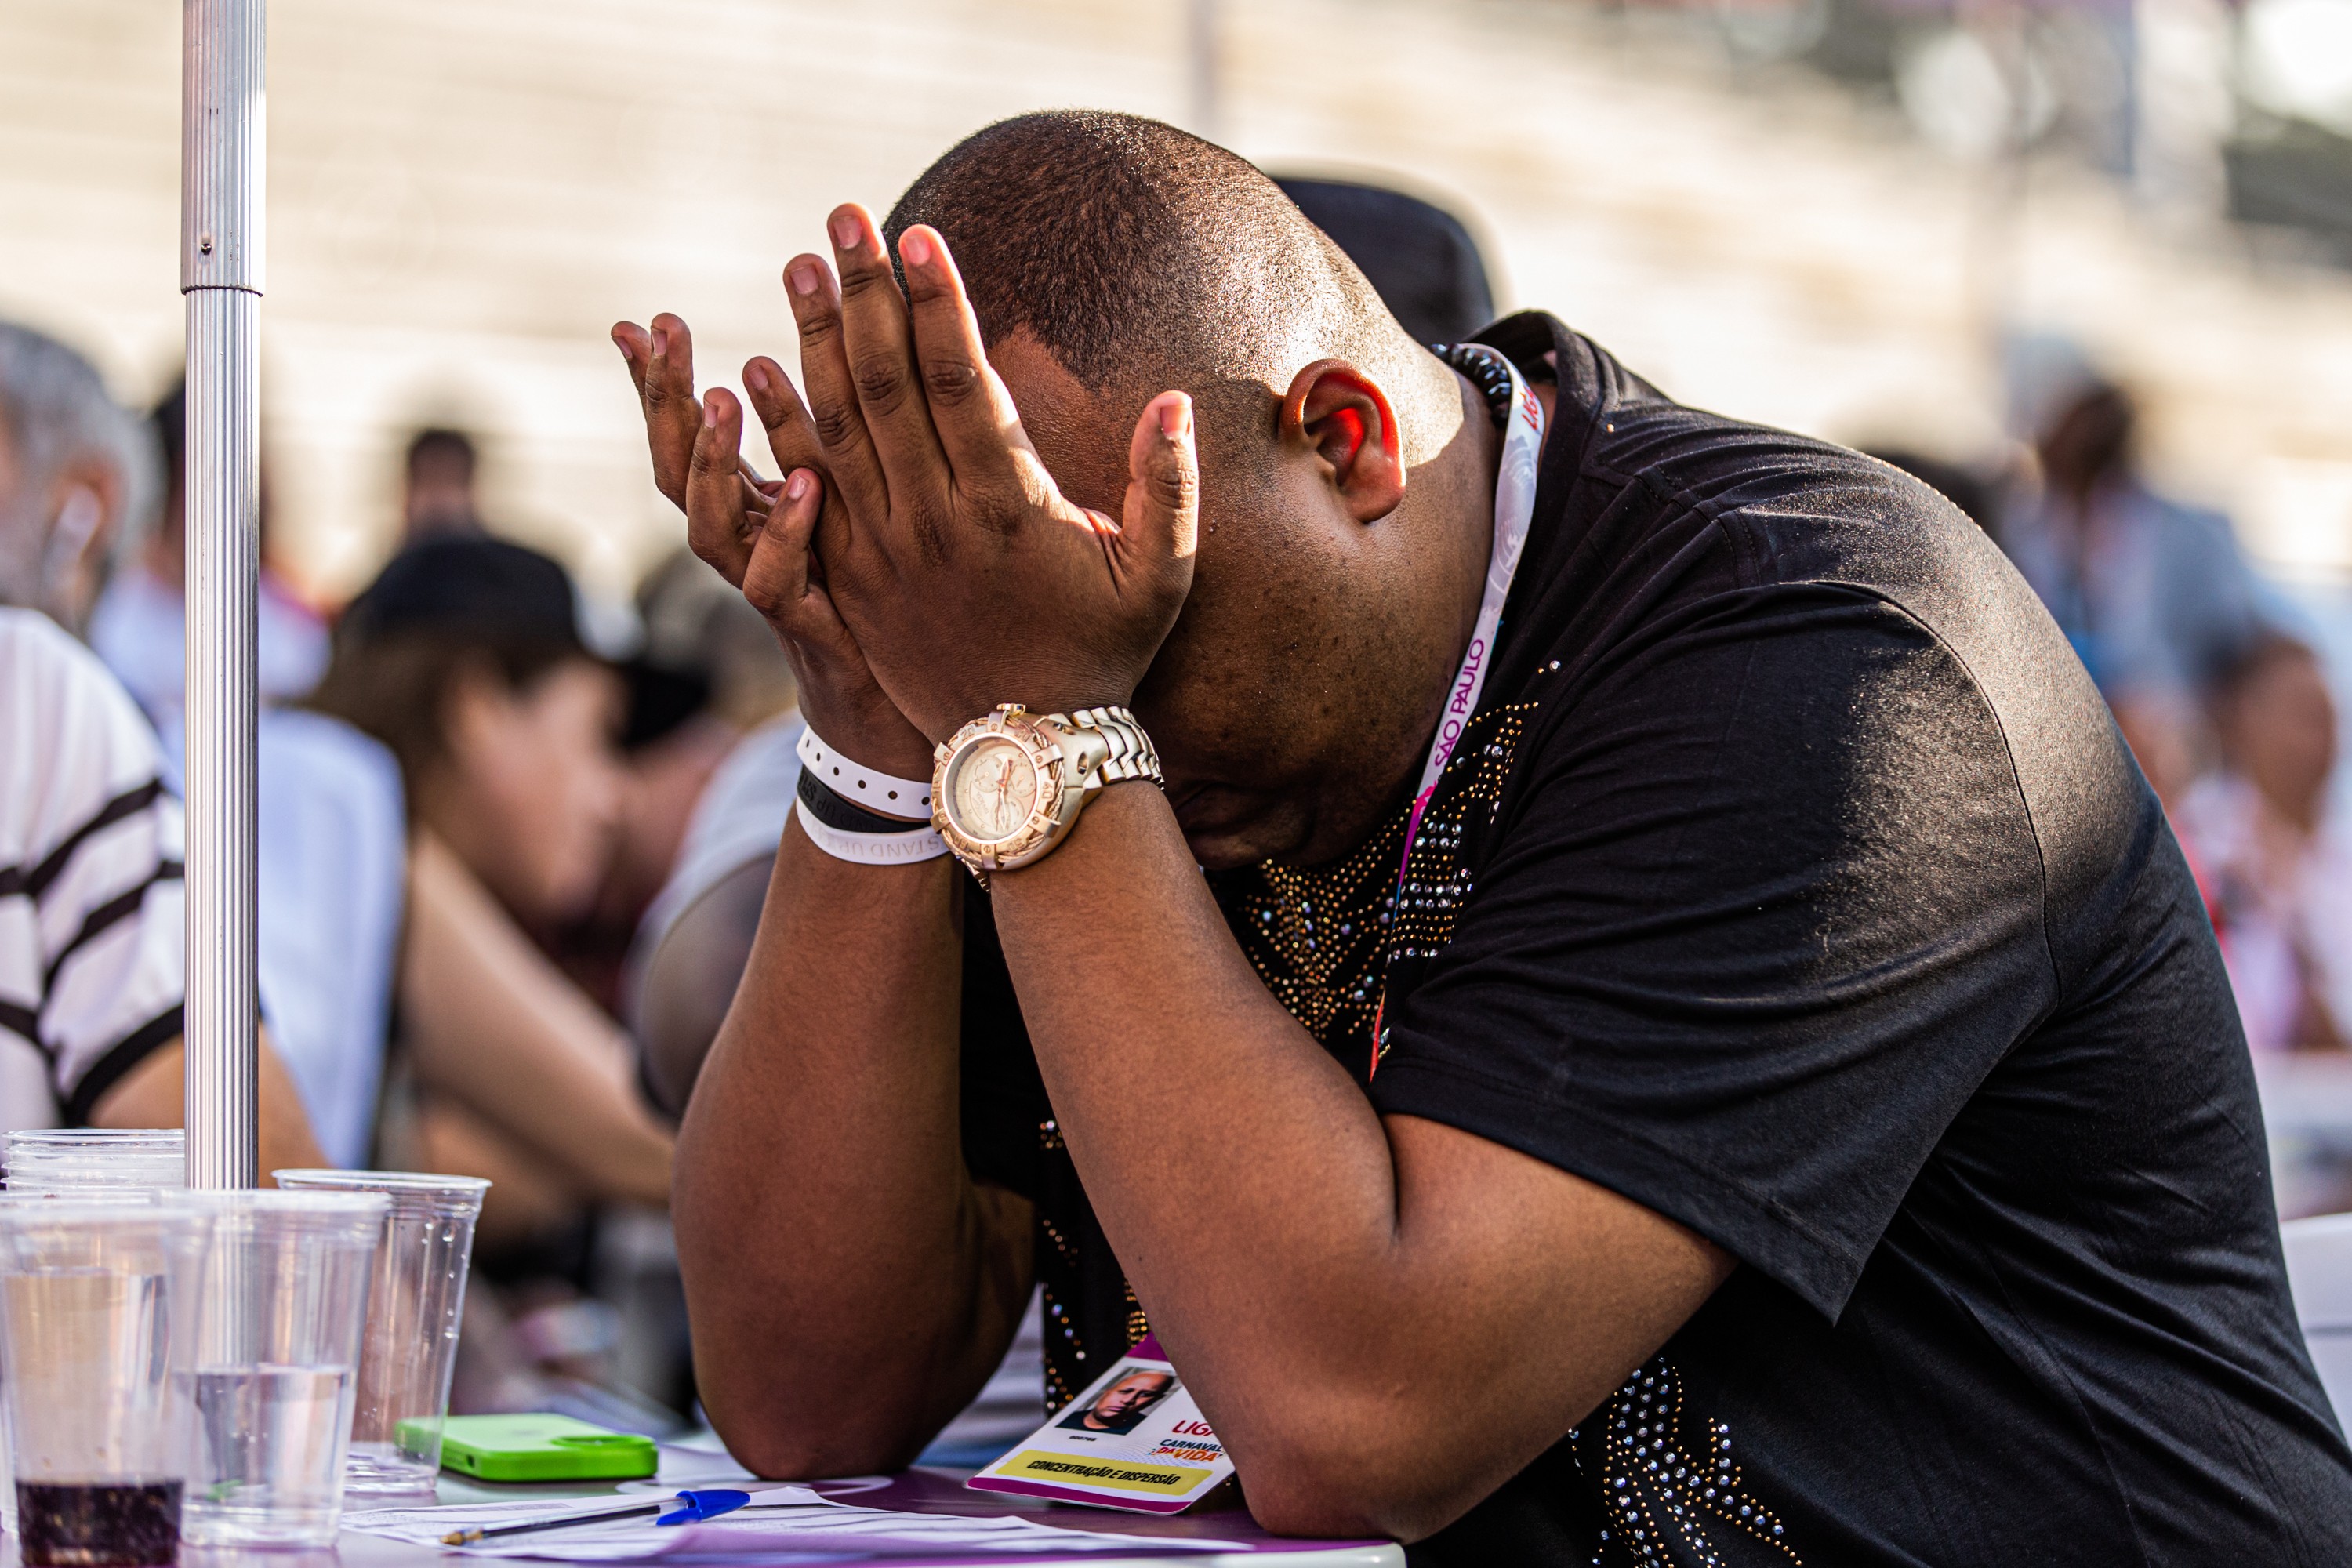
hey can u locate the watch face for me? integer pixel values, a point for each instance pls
(993, 790)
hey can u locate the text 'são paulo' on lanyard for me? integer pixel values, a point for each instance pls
(1514, 511)
(1133, 1439)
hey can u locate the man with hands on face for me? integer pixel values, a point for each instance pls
(1694, 1043)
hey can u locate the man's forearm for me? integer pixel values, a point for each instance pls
(850, 1286)
(1382, 1319)
(1240, 1175)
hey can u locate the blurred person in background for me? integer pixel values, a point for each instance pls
(2156, 595)
(331, 851)
(92, 932)
(437, 486)
(708, 671)
(2277, 864)
(141, 625)
(466, 658)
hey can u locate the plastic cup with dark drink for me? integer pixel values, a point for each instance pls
(273, 1364)
(93, 1333)
(411, 1345)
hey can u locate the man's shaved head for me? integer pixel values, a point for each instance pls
(1109, 258)
(1142, 257)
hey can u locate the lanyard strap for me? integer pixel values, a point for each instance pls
(1514, 510)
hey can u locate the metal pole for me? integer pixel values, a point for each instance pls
(221, 204)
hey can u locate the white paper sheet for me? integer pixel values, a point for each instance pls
(777, 1519)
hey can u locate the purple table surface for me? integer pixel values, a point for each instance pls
(920, 1490)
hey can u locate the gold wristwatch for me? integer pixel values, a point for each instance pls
(1006, 789)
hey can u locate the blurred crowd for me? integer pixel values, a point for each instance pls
(474, 782)
(514, 842)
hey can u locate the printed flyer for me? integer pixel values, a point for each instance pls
(1133, 1439)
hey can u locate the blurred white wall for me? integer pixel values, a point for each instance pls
(465, 195)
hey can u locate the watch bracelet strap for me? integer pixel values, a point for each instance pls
(838, 811)
(1132, 754)
(875, 791)
(871, 848)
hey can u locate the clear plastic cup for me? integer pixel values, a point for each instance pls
(94, 1329)
(274, 1360)
(74, 1190)
(72, 1162)
(411, 1346)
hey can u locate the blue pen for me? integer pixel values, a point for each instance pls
(699, 1505)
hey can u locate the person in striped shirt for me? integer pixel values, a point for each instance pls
(92, 936)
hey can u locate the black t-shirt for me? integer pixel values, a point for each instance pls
(1794, 882)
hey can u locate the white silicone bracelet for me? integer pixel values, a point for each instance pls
(872, 848)
(875, 791)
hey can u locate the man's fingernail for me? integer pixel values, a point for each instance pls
(797, 485)
(804, 279)
(844, 232)
(710, 417)
(661, 340)
(915, 249)
(1176, 419)
(756, 378)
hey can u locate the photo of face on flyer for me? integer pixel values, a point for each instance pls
(1122, 1406)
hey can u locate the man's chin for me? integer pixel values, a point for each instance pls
(1225, 828)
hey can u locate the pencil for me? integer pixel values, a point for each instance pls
(467, 1537)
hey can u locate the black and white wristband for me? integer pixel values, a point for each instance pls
(836, 823)
(863, 786)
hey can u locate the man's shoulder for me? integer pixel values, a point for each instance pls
(1674, 518)
(1618, 430)
(1799, 512)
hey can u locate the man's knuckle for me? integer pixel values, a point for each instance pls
(881, 383)
(1174, 486)
(950, 382)
(835, 426)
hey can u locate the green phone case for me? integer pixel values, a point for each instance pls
(540, 1448)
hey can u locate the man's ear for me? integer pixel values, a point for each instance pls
(1345, 417)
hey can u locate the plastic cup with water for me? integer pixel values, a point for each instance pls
(93, 1325)
(274, 1362)
(413, 1309)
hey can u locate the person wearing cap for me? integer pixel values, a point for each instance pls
(468, 659)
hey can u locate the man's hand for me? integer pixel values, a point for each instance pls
(759, 534)
(960, 568)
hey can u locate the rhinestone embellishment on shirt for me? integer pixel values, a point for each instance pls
(1658, 1487)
